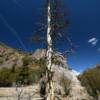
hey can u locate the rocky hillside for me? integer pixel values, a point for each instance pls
(67, 86)
(26, 68)
(16, 65)
(10, 57)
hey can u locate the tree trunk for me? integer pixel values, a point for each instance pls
(50, 92)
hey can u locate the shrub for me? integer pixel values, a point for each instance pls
(91, 80)
(26, 74)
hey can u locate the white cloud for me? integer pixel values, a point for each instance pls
(76, 72)
(93, 41)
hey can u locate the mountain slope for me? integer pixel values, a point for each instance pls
(66, 83)
(9, 57)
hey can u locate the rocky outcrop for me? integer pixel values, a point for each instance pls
(39, 53)
(77, 91)
(66, 84)
(74, 90)
(10, 57)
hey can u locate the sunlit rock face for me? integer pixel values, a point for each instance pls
(9, 57)
(39, 53)
(77, 91)
(57, 57)
(66, 84)
(64, 78)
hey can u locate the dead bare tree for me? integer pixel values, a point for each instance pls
(56, 23)
(19, 91)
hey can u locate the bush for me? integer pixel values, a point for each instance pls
(91, 80)
(27, 73)
(7, 77)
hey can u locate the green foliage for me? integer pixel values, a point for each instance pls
(7, 77)
(91, 80)
(24, 75)
(1, 60)
(27, 60)
(27, 74)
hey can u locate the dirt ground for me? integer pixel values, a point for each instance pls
(21, 93)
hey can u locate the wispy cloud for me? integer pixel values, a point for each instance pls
(93, 41)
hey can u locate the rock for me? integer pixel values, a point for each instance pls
(66, 84)
(39, 53)
(74, 89)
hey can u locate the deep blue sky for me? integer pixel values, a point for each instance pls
(18, 17)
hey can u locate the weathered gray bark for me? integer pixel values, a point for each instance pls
(50, 92)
